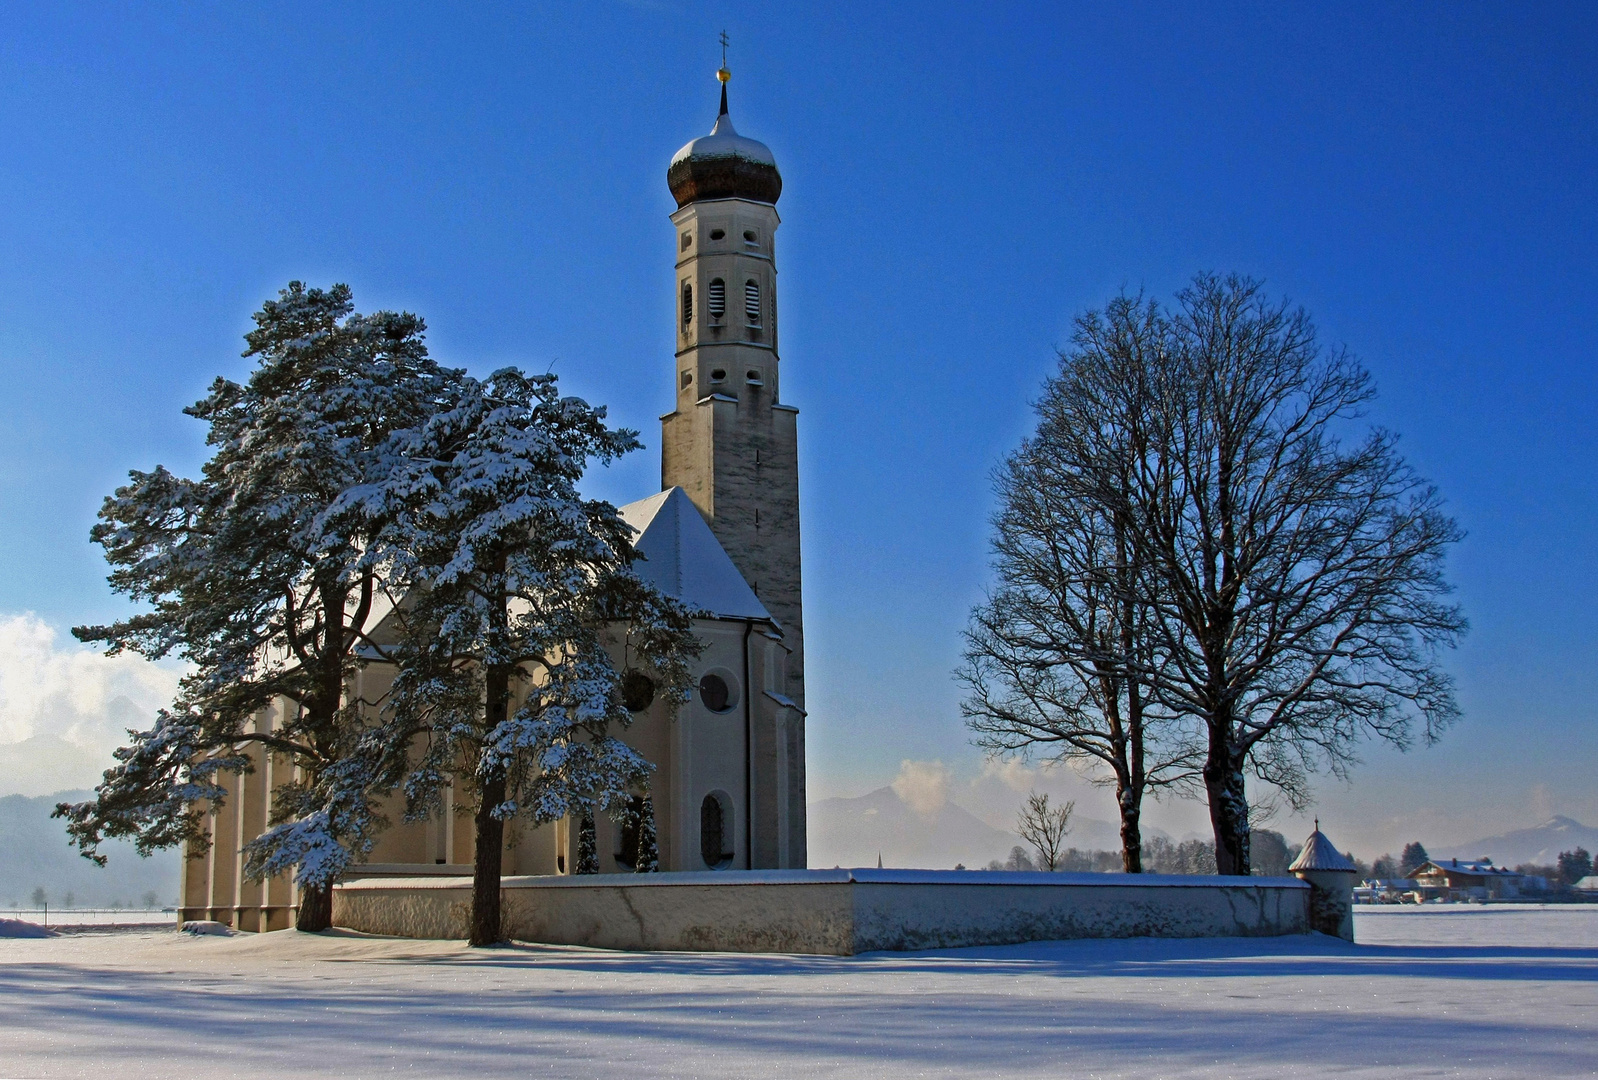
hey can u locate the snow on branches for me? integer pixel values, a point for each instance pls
(364, 504)
(523, 588)
(258, 573)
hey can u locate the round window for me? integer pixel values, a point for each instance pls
(718, 375)
(749, 236)
(637, 691)
(717, 234)
(715, 693)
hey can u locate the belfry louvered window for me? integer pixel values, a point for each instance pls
(687, 304)
(752, 301)
(718, 299)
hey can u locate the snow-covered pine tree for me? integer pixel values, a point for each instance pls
(587, 845)
(504, 681)
(261, 578)
(648, 861)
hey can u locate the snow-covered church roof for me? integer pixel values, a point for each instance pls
(683, 558)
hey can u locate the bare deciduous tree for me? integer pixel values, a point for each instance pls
(1045, 828)
(1190, 538)
(1296, 579)
(1057, 659)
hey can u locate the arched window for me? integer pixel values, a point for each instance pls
(687, 304)
(715, 835)
(718, 299)
(752, 301)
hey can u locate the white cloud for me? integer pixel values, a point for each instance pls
(1012, 773)
(54, 692)
(923, 786)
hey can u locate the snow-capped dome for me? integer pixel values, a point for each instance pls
(1321, 854)
(724, 165)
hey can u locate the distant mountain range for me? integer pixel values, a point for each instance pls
(852, 832)
(34, 853)
(1540, 845)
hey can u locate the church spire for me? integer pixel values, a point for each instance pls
(724, 74)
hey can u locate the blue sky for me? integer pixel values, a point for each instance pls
(960, 181)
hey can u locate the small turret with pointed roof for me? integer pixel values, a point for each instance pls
(1321, 854)
(1330, 876)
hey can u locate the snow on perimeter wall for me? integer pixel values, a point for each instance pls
(833, 912)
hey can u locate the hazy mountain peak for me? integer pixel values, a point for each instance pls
(1541, 844)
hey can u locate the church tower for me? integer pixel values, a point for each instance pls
(731, 442)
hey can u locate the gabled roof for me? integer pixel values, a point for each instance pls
(683, 558)
(1320, 854)
(1472, 868)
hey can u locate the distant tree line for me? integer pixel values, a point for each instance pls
(1272, 854)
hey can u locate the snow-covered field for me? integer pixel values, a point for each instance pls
(1463, 991)
(93, 916)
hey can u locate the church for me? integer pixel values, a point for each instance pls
(722, 536)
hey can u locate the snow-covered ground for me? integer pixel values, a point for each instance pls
(1462, 991)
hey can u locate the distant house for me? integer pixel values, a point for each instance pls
(1459, 879)
(1383, 890)
(1588, 886)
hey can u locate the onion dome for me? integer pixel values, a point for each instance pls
(1321, 854)
(724, 164)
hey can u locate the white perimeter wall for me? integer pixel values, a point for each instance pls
(835, 912)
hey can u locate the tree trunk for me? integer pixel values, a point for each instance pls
(487, 864)
(489, 857)
(1223, 782)
(1131, 830)
(316, 908)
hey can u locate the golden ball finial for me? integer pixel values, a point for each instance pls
(723, 74)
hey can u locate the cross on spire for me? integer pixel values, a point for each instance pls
(723, 73)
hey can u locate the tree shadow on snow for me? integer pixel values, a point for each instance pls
(489, 1010)
(1291, 956)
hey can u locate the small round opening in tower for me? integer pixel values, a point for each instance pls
(717, 375)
